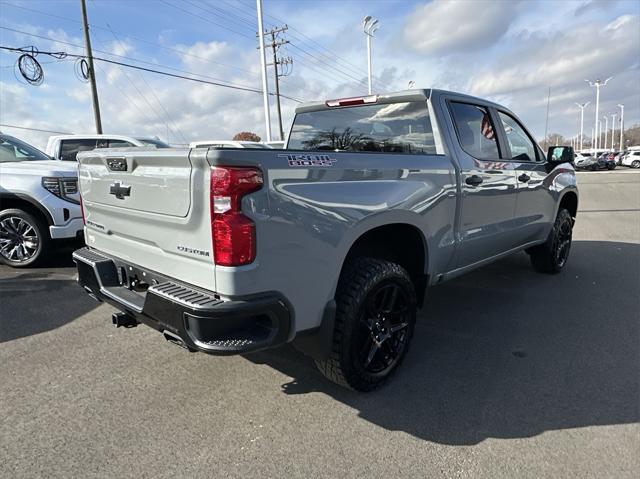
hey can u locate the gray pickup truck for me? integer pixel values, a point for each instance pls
(330, 243)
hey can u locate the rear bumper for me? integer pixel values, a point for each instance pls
(73, 229)
(200, 320)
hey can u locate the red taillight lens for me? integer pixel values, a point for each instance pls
(233, 234)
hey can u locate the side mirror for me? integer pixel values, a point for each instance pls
(560, 154)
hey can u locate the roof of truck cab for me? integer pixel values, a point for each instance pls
(417, 94)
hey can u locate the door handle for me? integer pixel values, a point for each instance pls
(473, 180)
(524, 178)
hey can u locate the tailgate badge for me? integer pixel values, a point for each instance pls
(117, 164)
(119, 190)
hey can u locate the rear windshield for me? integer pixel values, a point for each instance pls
(393, 128)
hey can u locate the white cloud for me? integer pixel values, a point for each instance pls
(445, 27)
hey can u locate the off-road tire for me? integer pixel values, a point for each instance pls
(362, 277)
(548, 257)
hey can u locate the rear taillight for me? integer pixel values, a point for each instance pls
(84, 220)
(233, 234)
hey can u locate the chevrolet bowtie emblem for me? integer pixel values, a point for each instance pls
(119, 190)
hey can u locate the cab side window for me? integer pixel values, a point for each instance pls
(119, 144)
(521, 146)
(475, 130)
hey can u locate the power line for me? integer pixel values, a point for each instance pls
(159, 72)
(121, 56)
(352, 68)
(34, 129)
(137, 39)
(345, 72)
(206, 20)
(167, 116)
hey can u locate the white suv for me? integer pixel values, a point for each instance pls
(632, 159)
(66, 147)
(39, 202)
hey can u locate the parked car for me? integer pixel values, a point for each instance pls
(632, 159)
(328, 244)
(228, 144)
(66, 147)
(586, 161)
(39, 203)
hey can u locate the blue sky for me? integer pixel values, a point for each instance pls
(508, 51)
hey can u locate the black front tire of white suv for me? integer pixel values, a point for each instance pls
(24, 239)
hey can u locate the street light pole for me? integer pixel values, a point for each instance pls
(369, 26)
(599, 141)
(582, 106)
(598, 83)
(613, 129)
(606, 130)
(621, 126)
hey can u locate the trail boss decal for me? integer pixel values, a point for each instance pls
(309, 160)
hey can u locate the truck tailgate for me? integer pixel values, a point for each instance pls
(150, 208)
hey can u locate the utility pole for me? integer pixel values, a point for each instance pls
(621, 126)
(582, 106)
(92, 74)
(275, 45)
(263, 64)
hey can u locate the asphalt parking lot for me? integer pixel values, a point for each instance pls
(511, 374)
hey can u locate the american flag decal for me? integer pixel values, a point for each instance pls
(487, 129)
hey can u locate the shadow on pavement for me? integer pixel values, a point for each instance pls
(505, 352)
(28, 305)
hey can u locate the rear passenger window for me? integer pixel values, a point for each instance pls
(71, 148)
(521, 146)
(475, 130)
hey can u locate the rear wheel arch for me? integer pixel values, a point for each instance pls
(26, 204)
(569, 201)
(400, 243)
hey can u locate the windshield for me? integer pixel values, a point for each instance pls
(153, 142)
(394, 128)
(12, 149)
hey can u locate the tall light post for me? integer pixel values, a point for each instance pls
(582, 106)
(598, 84)
(606, 130)
(369, 26)
(613, 128)
(621, 126)
(593, 136)
(599, 134)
